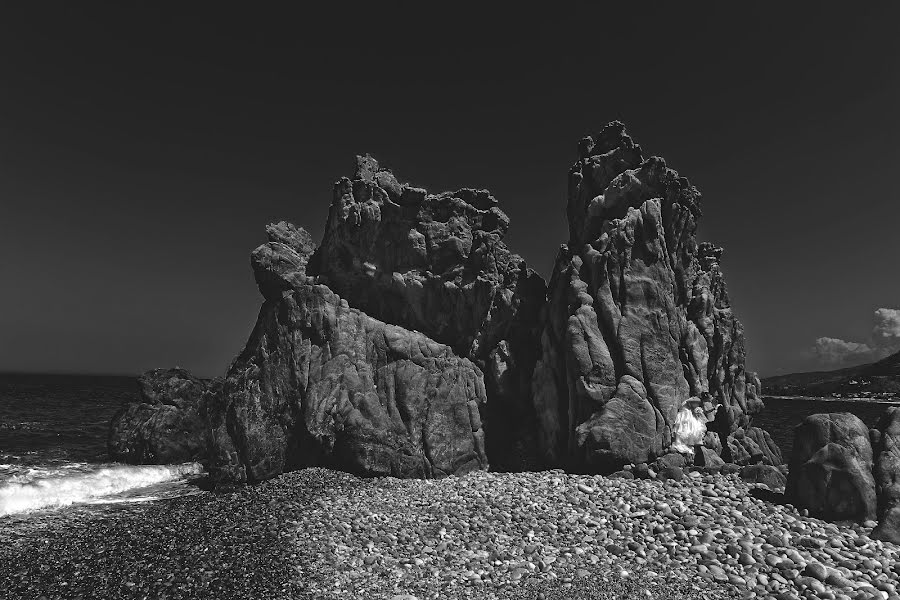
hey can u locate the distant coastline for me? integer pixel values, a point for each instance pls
(873, 382)
(891, 400)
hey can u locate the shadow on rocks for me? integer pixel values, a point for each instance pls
(763, 493)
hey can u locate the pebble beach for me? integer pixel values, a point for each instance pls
(318, 533)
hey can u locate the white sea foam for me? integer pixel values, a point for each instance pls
(18, 473)
(82, 487)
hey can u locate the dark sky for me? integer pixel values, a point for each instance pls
(143, 150)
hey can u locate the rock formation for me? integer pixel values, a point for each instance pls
(321, 383)
(412, 342)
(436, 263)
(637, 320)
(168, 425)
(887, 476)
(830, 471)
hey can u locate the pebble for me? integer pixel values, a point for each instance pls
(519, 535)
(816, 570)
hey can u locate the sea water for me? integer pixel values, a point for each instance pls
(782, 415)
(53, 431)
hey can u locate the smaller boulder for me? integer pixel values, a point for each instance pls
(831, 468)
(708, 459)
(167, 426)
(887, 476)
(673, 459)
(730, 468)
(673, 473)
(641, 471)
(768, 475)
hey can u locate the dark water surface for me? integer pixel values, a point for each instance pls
(781, 415)
(53, 431)
(47, 419)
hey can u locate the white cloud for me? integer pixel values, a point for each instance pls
(836, 352)
(883, 341)
(887, 327)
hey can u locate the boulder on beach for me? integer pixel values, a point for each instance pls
(708, 459)
(831, 468)
(167, 426)
(768, 475)
(887, 476)
(323, 384)
(437, 263)
(638, 319)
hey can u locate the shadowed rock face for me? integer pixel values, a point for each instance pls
(436, 263)
(320, 383)
(167, 426)
(638, 319)
(771, 453)
(887, 476)
(831, 467)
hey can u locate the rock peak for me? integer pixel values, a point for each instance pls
(366, 167)
(296, 238)
(613, 135)
(709, 255)
(635, 326)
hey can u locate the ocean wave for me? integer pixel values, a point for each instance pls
(20, 472)
(81, 487)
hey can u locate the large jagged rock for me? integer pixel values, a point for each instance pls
(412, 342)
(436, 263)
(168, 425)
(638, 319)
(831, 468)
(887, 476)
(320, 383)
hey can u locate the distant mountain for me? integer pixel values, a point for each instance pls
(878, 379)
